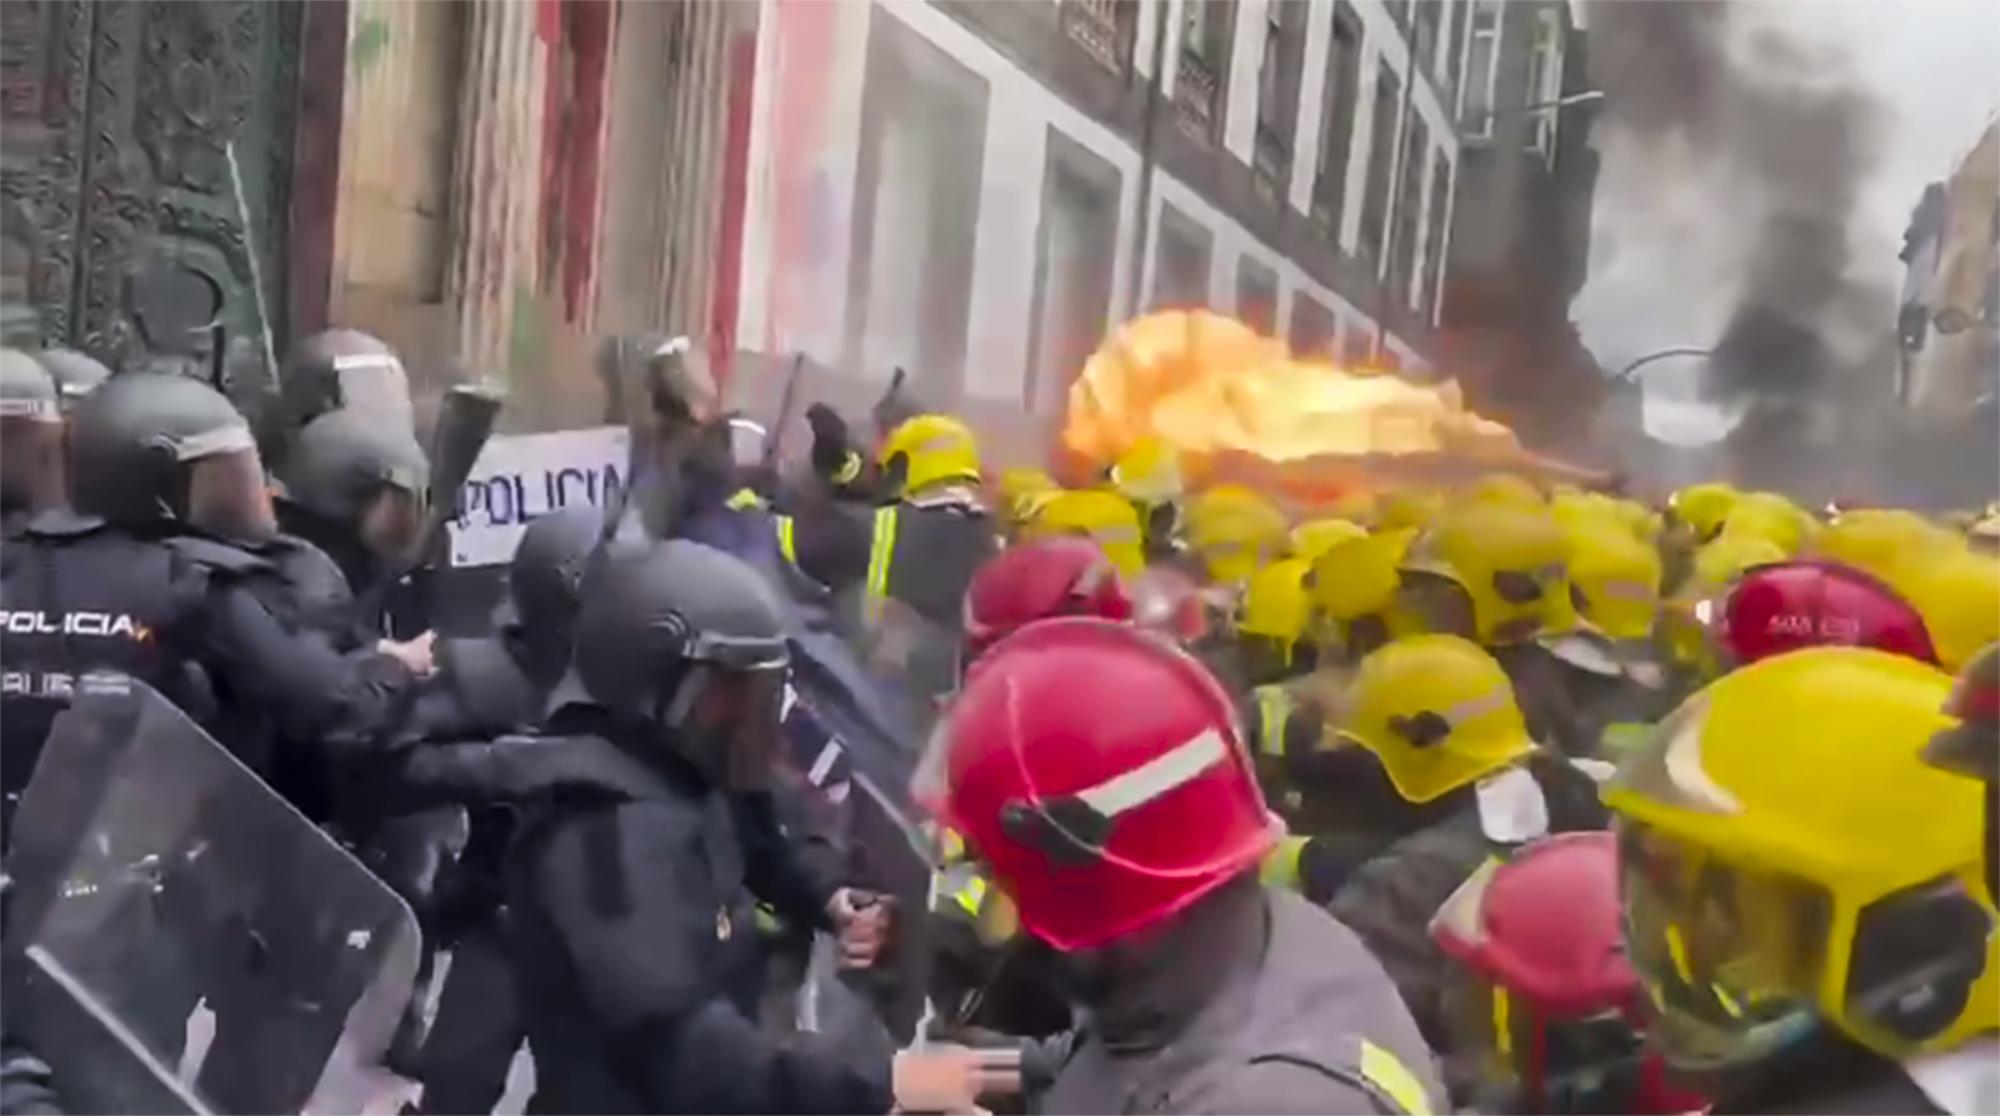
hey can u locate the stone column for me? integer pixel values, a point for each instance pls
(497, 179)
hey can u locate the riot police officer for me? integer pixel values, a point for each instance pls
(642, 841)
(139, 581)
(31, 473)
(355, 487)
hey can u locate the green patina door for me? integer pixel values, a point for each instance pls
(122, 225)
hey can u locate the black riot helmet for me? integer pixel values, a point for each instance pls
(546, 574)
(366, 476)
(148, 447)
(345, 369)
(687, 643)
(76, 374)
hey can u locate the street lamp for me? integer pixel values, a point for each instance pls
(1625, 374)
(1585, 97)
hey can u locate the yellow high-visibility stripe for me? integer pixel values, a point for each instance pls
(1387, 1072)
(881, 555)
(1503, 1022)
(787, 545)
(1274, 708)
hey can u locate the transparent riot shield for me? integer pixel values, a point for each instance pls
(180, 938)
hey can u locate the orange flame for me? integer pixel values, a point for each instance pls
(1218, 391)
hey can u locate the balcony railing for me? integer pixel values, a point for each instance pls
(1105, 29)
(1197, 98)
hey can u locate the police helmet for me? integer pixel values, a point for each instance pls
(27, 391)
(546, 574)
(340, 369)
(76, 374)
(134, 441)
(343, 458)
(669, 630)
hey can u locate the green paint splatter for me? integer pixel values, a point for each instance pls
(370, 37)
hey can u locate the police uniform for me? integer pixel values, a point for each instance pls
(80, 596)
(632, 884)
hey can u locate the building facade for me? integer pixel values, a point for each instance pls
(1520, 243)
(977, 192)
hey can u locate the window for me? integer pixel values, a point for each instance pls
(1278, 93)
(1479, 72)
(1180, 267)
(1434, 241)
(1409, 204)
(1381, 152)
(1336, 135)
(1312, 327)
(1545, 82)
(1204, 66)
(1257, 296)
(1106, 29)
(1072, 292)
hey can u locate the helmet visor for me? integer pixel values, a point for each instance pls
(372, 382)
(730, 723)
(1729, 956)
(227, 495)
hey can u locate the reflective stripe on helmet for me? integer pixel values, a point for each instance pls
(787, 545)
(1274, 709)
(881, 555)
(1387, 1073)
(1133, 789)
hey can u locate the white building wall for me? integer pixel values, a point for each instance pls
(800, 304)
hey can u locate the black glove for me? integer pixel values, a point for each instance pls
(831, 444)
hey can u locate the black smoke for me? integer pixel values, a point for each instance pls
(1779, 133)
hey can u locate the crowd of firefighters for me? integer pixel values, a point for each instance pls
(1506, 796)
(1643, 808)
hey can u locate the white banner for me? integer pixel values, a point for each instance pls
(521, 476)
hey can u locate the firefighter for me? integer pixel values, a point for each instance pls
(1102, 516)
(1148, 474)
(1315, 537)
(1456, 778)
(1786, 606)
(1129, 846)
(938, 522)
(1498, 572)
(1040, 580)
(1958, 593)
(1354, 587)
(1687, 646)
(1603, 674)
(31, 442)
(1022, 493)
(1540, 1003)
(1804, 895)
(1234, 532)
(1272, 625)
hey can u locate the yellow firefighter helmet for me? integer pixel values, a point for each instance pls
(1437, 711)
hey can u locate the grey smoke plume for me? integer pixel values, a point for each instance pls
(1760, 143)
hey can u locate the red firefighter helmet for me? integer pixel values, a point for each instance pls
(1041, 580)
(1542, 988)
(1098, 772)
(1790, 605)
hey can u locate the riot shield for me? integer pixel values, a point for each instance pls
(180, 938)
